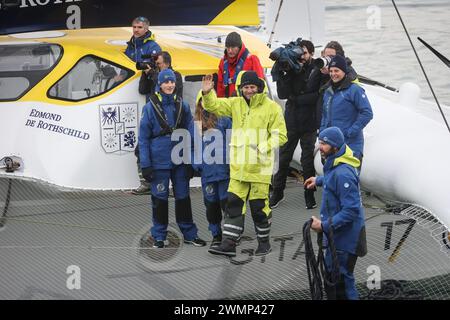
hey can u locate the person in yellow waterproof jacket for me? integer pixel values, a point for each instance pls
(258, 130)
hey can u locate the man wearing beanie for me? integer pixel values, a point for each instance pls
(341, 213)
(258, 130)
(236, 58)
(345, 105)
(163, 115)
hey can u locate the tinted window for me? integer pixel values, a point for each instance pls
(13, 87)
(22, 66)
(90, 77)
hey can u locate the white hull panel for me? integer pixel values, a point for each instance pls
(69, 158)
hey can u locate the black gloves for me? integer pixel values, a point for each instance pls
(147, 173)
(189, 171)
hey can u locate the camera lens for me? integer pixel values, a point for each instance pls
(319, 63)
(141, 65)
(322, 62)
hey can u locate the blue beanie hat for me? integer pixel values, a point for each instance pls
(332, 136)
(166, 75)
(338, 61)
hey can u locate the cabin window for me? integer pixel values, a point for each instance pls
(90, 77)
(22, 66)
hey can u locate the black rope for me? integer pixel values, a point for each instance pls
(331, 278)
(393, 290)
(441, 57)
(5, 208)
(312, 265)
(269, 43)
(421, 66)
(318, 277)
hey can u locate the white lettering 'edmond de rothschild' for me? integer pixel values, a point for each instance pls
(34, 3)
(73, 11)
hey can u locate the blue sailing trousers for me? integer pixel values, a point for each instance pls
(215, 195)
(160, 194)
(346, 287)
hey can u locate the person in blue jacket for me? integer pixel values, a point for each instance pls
(341, 211)
(161, 117)
(345, 105)
(209, 158)
(142, 42)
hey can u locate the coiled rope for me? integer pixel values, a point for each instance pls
(319, 278)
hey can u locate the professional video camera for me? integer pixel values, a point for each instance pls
(149, 60)
(287, 59)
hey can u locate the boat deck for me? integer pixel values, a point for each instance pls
(105, 235)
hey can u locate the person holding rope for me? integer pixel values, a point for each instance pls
(341, 212)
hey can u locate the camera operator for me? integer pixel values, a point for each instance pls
(149, 77)
(300, 84)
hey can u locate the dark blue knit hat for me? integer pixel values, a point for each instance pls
(250, 77)
(332, 136)
(166, 75)
(338, 61)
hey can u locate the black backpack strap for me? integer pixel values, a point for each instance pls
(160, 115)
(178, 112)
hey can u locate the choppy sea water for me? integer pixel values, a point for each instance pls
(379, 48)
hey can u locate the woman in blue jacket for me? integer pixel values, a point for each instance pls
(345, 105)
(164, 114)
(209, 158)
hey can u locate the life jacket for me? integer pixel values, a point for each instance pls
(162, 117)
(226, 72)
